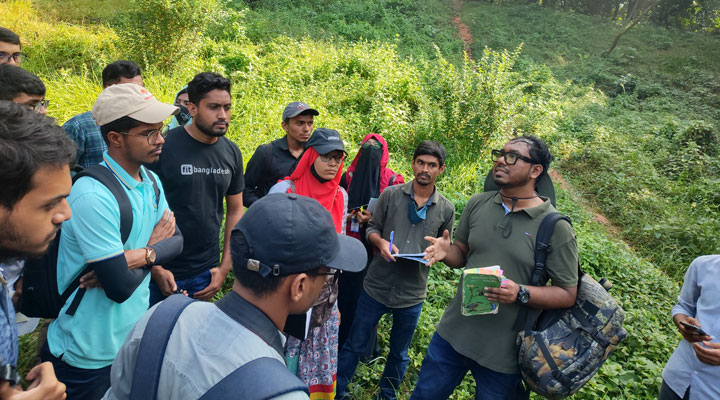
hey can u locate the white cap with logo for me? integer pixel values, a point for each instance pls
(130, 100)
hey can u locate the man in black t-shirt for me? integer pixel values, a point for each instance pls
(198, 168)
(274, 161)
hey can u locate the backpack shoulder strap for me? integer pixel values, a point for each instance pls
(392, 179)
(542, 244)
(250, 382)
(107, 178)
(151, 351)
(542, 247)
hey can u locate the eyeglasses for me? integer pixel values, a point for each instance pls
(372, 143)
(5, 57)
(338, 157)
(511, 157)
(335, 273)
(152, 135)
(40, 106)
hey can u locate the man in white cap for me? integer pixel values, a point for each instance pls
(91, 326)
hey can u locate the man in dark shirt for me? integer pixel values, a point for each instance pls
(199, 168)
(275, 160)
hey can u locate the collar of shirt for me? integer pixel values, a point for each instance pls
(407, 188)
(252, 318)
(283, 143)
(532, 212)
(122, 175)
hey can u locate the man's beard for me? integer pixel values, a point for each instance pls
(10, 236)
(207, 129)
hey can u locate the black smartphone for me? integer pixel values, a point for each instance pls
(357, 208)
(695, 328)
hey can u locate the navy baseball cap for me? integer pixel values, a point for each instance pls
(286, 233)
(296, 108)
(325, 140)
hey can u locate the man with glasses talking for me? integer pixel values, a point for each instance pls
(498, 228)
(200, 168)
(84, 339)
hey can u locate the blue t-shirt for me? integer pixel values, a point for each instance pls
(92, 337)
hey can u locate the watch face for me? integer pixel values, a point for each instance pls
(523, 295)
(151, 256)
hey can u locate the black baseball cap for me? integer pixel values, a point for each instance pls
(296, 108)
(286, 233)
(325, 140)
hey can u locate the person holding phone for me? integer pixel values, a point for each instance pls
(694, 367)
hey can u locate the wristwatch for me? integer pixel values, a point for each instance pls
(150, 256)
(523, 295)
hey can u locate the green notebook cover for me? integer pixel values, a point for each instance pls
(474, 300)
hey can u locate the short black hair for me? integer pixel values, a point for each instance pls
(538, 150)
(430, 148)
(28, 141)
(8, 36)
(205, 82)
(259, 285)
(15, 80)
(118, 70)
(123, 124)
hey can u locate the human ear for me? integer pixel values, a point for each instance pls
(113, 139)
(536, 170)
(192, 109)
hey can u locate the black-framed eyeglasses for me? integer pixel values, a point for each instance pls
(335, 273)
(151, 135)
(511, 157)
(337, 157)
(5, 57)
(42, 105)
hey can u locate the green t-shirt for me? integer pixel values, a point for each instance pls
(490, 339)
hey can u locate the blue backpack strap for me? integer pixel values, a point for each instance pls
(109, 180)
(151, 351)
(250, 381)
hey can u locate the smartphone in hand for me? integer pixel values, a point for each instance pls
(697, 329)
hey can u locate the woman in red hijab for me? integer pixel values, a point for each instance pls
(317, 175)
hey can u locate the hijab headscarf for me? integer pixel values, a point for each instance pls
(328, 193)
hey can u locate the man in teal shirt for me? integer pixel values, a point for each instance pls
(83, 341)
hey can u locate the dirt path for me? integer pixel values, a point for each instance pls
(463, 30)
(558, 179)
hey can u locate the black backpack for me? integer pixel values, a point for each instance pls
(41, 297)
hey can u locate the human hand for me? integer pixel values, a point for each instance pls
(709, 353)
(163, 229)
(217, 277)
(363, 216)
(506, 294)
(438, 248)
(687, 333)
(90, 281)
(44, 384)
(164, 279)
(18, 293)
(384, 248)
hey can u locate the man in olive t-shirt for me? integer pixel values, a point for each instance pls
(498, 228)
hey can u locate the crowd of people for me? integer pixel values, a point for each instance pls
(318, 254)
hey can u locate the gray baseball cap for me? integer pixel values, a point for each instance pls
(325, 140)
(296, 108)
(286, 233)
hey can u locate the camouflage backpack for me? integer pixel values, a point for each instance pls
(564, 348)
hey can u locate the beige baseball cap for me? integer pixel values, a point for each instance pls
(130, 100)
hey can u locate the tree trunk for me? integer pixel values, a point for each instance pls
(630, 25)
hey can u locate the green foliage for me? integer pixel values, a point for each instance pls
(161, 33)
(414, 25)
